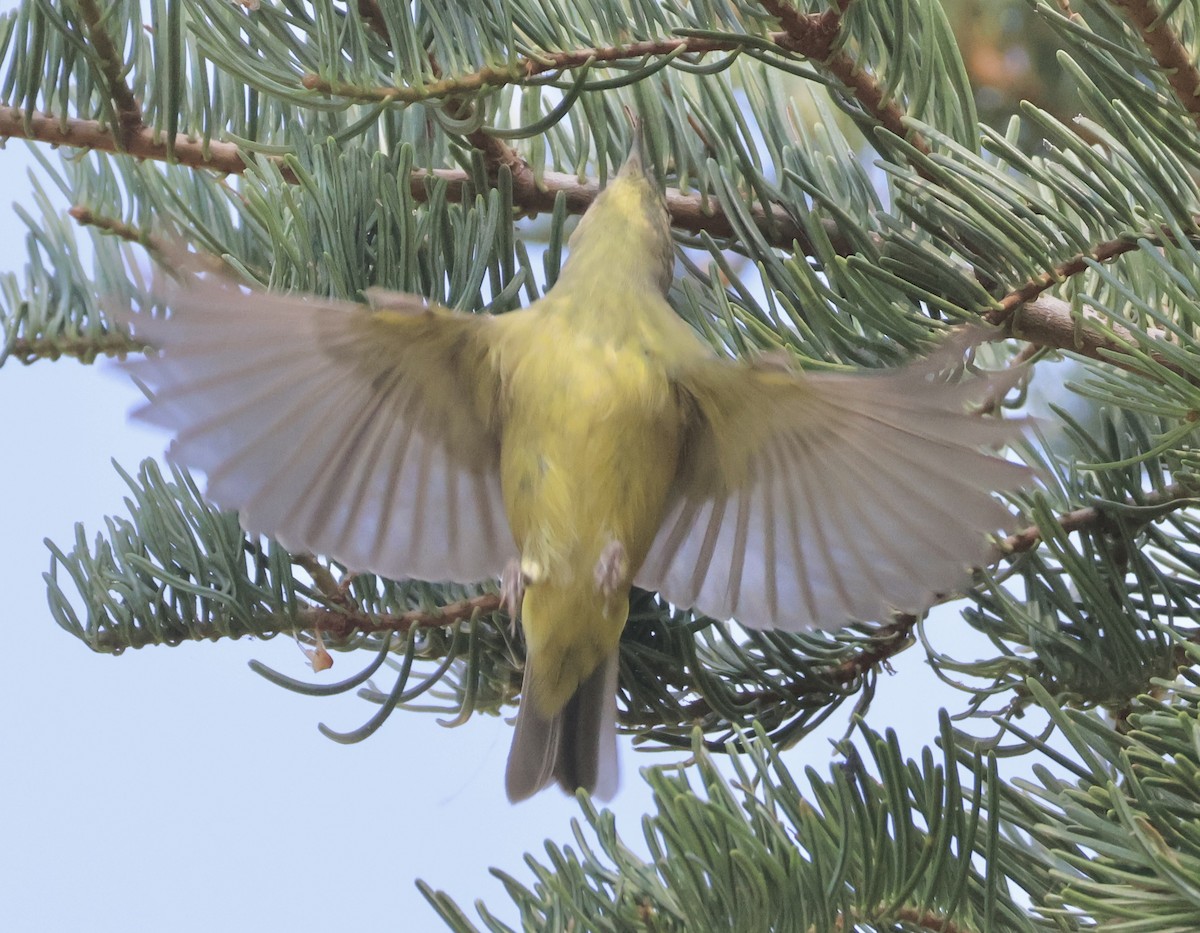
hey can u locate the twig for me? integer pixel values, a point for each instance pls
(525, 68)
(1048, 322)
(84, 349)
(810, 35)
(1028, 314)
(1168, 50)
(1095, 517)
(372, 15)
(689, 212)
(814, 35)
(141, 143)
(497, 154)
(128, 110)
(335, 623)
(893, 637)
(1102, 252)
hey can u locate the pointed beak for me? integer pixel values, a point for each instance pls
(633, 162)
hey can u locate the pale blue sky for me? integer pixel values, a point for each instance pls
(172, 789)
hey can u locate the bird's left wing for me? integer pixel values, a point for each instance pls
(369, 435)
(811, 501)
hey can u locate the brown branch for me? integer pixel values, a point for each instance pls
(84, 349)
(525, 68)
(496, 152)
(870, 93)
(344, 624)
(324, 579)
(129, 111)
(1049, 322)
(1025, 313)
(689, 212)
(1097, 517)
(925, 919)
(86, 218)
(808, 34)
(345, 620)
(90, 134)
(1031, 289)
(1168, 50)
(891, 640)
(1028, 314)
(814, 36)
(332, 622)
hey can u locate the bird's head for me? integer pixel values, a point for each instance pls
(627, 229)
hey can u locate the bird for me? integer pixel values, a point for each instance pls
(572, 449)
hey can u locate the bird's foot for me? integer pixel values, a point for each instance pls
(612, 569)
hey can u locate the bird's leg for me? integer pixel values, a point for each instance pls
(517, 575)
(512, 591)
(612, 569)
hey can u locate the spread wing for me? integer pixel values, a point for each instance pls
(810, 501)
(366, 435)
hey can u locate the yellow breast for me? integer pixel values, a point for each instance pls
(588, 452)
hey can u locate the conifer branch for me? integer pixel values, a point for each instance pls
(337, 623)
(1026, 292)
(112, 67)
(923, 919)
(343, 624)
(1049, 322)
(85, 217)
(496, 152)
(1027, 314)
(1165, 45)
(689, 212)
(521, 71)
(141, 143)
(810, 35)
(1099, 517)
(893, 638)
(814, 35)
(343, 619)
(84, 349)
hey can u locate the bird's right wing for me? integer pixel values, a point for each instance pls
(367, 435)
(811, 501)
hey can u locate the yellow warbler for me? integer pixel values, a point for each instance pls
(584, 444)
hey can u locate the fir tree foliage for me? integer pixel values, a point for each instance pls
(835, 196)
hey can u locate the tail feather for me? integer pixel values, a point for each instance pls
(577, 747)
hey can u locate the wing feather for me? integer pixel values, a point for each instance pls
(368, 436)
(808, 502)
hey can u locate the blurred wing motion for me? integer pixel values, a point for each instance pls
(367, 435)
(810, 501)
